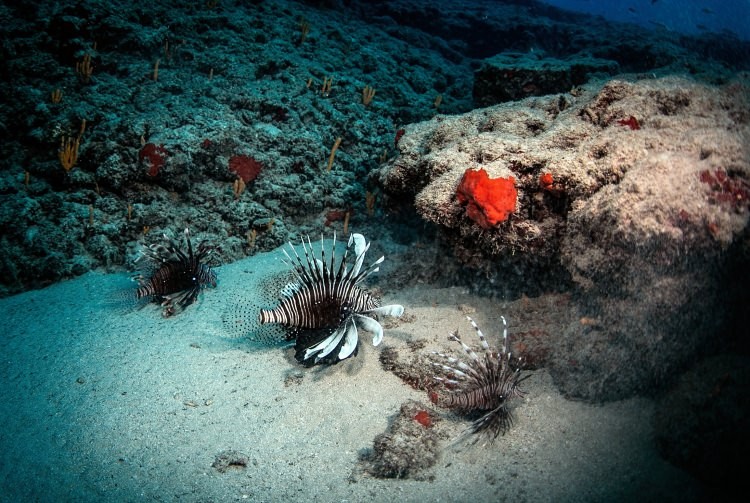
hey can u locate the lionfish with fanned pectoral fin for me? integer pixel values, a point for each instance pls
(484, 386)
(172, 275)
(324, 305)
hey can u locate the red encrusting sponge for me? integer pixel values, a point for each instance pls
(489, 201)
(423, 418)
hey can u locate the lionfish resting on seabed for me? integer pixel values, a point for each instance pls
(324, 304)
(174, 276)
(484, 385)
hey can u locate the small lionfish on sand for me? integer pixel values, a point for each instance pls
(322, 304)
(173, 276)
(485, 385)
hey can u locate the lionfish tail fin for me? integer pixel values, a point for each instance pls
(241, 318)
(123, 298)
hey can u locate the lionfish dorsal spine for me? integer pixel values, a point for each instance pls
(298, 267)
(325, 269)
(482, 340)
(343, 273)
(371, 269)
(360, 248)
(505, 337)
(466, 348)
(189, 244)
(309, 273)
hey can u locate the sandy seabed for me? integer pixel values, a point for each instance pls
(104, 405)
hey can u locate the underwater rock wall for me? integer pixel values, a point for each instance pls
(181, 103)
(636, 191)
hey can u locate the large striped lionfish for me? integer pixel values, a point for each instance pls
(324, 305)
(173, 276)
(484, 386)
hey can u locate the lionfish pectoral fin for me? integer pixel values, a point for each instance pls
(329, 344)
(390, 310)
(371, 326)
(178, 301)
(316, 343)
(188, 296)
(351, 341)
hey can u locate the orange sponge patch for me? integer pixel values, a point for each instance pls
(489, 201)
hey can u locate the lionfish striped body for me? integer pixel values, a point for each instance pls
(172, 276)
(323, 307)
(484, 385)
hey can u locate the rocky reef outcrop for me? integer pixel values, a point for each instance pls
(634, 191)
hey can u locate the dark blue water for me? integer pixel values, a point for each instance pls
(684, 16)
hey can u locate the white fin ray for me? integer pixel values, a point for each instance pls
(326, 345)
(360, 248)
(350, 344)
(371, 326)
(389, 310)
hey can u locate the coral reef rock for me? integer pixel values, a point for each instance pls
(408, 447)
